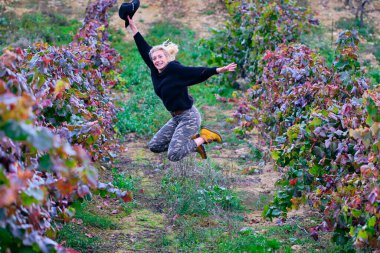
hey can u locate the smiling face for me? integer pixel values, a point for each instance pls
(160, 60)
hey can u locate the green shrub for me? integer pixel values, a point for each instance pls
(322, 126)
(253, 28)
(124, 182)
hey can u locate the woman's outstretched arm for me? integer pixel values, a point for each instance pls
(142, 45)
(194, 75)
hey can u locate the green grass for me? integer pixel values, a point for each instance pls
(125, 182)
(36, 27)
(295, 233)
(199, 189)
(144, 112)
(198, 195)
(317, 39)
(216, 234)
(76, 236)
(376, 50)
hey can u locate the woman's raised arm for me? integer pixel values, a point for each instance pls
(132, 26)
(142, 45)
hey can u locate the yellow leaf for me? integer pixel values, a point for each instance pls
(101, 28)
(61, 85)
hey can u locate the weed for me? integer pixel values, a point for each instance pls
(202, 193)
(208, 12)
(128, 207)
(255, 153)
(376, 50)
(375, 75)
(262, 201)
(124, 182)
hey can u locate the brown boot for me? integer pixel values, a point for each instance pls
(200, 149)
(210, 135)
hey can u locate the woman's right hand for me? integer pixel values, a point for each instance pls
(132, 26)
(229, 68)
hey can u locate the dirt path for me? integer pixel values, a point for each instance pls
(149, 224)
(253, 179)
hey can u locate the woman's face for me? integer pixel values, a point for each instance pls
(159, 60)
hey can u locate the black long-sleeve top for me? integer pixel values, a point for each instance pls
(171, 84)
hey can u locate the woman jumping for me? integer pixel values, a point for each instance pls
(170, 80)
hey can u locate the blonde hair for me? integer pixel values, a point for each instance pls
(169, 48)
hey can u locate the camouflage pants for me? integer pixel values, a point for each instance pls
(175, 135)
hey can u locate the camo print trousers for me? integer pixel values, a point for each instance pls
(175, 135)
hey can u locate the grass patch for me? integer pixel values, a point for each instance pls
(291, 234)
(216, 234)
(79, 236)
(125, 182)
(23, 31)
(203, 193)
(76, 238)
(90, 218)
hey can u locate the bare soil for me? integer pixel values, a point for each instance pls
(200, 16)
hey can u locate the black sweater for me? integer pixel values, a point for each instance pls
(171, 84)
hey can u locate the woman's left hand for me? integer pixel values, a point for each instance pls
(229, 68)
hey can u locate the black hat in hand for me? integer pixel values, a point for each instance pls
(128, 9)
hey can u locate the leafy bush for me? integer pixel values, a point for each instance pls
(52, 98)
(323, 126)
(254, 28)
